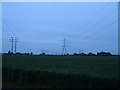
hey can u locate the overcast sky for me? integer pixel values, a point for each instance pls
(87, 26)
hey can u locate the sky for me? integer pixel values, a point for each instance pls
(41, 26)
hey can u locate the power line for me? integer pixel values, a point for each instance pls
(104, 28)
(12, 39)
(8, 28)
(98, 11)
(95, 15)
(98, 23)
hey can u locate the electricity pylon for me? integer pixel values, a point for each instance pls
(64, 50)
(12, 41)
(16, 40)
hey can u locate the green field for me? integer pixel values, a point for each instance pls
(94, 67)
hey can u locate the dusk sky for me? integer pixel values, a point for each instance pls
(86, 26)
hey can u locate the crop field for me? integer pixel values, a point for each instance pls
(60, 71)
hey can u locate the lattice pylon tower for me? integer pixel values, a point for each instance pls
(64, 50)
(16, 40)
(12, 41)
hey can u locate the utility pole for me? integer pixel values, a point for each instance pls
(16, 40)
(12, 41)
(64, 51)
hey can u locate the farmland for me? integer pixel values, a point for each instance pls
(61, 71)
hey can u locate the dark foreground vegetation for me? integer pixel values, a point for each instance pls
(44, 79)
(60, 71)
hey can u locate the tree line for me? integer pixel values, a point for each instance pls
(74, 54)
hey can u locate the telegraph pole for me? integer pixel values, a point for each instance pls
(12, 41)
(64, 51)
(16, 40)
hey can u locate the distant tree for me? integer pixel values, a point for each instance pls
(18, 53)
(67, 54)
(75, 54)
(104, 54)
(31, 53)
(43, 53)
(26, 53)
(91, 54)
(9, 52)
(82, 54)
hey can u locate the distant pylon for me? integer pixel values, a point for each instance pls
(16, 40)
(64, 51)
(12, 41)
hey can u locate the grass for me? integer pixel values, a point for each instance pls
(61, 71)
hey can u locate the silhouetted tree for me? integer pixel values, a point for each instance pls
(104, 54)
(75, 54)
(82, 54)
(43, 53)
(9, 52)
(31, 53)
(26, 53)
(18, 53)
(91, 54)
